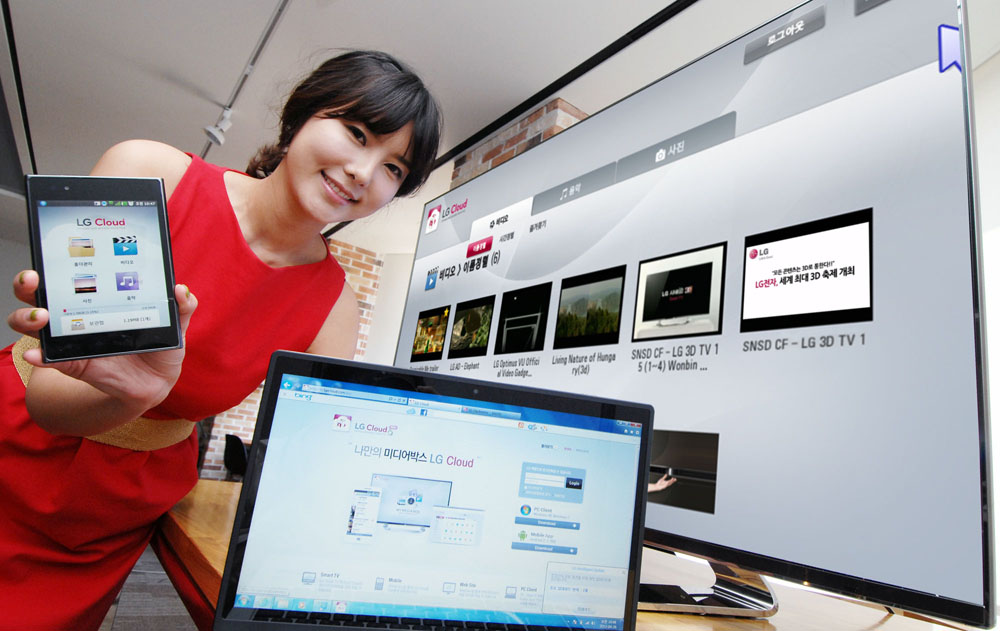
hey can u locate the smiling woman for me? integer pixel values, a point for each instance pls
(368, 87)
(94, 451)
(344, 171)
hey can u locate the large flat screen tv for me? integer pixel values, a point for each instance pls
(821, 164)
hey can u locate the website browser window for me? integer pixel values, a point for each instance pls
(375, 501)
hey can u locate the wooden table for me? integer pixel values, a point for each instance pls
(197, 531)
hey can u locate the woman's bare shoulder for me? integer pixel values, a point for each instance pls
(144, 158)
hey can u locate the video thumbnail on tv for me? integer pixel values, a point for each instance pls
(523, 313)
(470, 334)
(590, 309)
(683, 469)
(810, 274)
(680, 294)
(428, 342)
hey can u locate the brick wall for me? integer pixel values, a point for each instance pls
(516, 138)
(363, 268)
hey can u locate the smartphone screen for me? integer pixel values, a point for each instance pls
(102, 248)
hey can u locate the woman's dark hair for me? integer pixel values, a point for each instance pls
(369, 87)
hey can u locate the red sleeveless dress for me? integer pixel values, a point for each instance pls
(75, 514)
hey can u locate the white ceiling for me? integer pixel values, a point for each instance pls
(102, 71)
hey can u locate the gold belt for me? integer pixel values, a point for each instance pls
(141, 434)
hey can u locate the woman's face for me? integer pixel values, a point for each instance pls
(339, 170)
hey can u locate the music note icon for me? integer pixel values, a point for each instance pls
(127, 281)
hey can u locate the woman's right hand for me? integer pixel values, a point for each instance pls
(108, 390)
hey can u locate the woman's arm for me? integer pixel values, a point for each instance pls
(144, 158)
(89, 397)
(338, 337)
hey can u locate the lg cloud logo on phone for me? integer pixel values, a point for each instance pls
(433, 217)
(100, 222)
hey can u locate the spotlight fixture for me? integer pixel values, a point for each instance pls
(217, 133)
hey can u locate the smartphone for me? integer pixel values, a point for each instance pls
(102, 248)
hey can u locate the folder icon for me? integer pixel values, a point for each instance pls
(79, 246)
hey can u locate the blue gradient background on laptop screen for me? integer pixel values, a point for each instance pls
(536, 529)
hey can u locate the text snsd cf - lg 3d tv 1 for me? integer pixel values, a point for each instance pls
(776, 247)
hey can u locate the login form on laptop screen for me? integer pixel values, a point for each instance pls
(389, 502)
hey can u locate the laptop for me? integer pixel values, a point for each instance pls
(400, 499)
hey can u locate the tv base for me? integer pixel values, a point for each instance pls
(673, 322)
(736, 592)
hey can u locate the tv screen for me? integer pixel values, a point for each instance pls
(470, 333)
(428, 340)
(409, 501)
(523, 316)
(696, 453)
(814, 273)
(677, 293)
(680, 294)
(821, 164)
(683, 467)
(590, 309)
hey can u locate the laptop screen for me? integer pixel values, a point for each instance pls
(488, 504)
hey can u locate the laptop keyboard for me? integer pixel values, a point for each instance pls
(391, 622)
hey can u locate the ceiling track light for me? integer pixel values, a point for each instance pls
(217, 133)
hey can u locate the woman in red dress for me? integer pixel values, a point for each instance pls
(92, 452)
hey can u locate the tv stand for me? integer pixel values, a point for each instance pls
(736, 592)
(672, 322)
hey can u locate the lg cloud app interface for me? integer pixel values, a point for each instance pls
(377, 501)
(103, 264)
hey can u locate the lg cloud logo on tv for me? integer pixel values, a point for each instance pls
(433, 217)
(438, 214)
